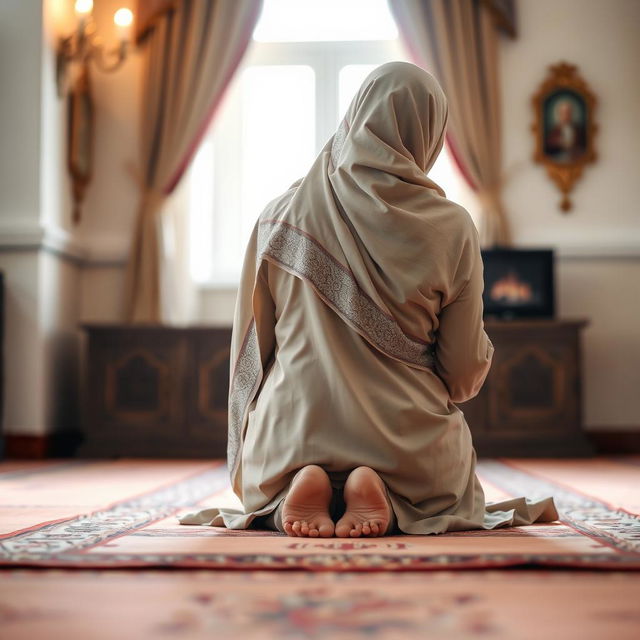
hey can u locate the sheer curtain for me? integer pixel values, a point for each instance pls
(457, 40)
(192, 49)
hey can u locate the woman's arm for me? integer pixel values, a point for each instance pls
(463, 349)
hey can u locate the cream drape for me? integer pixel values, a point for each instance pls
(191, 51)
(457, 40)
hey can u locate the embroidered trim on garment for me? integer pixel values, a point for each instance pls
(244, 381)
(338, 142)
(296, 251)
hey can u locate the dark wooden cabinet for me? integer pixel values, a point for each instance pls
(162, 391)
(531, 401)
(155, 391)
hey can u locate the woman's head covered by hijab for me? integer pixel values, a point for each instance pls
(367, 199)
(395, 123)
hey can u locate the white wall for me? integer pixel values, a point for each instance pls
(112, 196)
(598, 270)
(601, 38)
(37, 240)
(24, 388)
(20, 63)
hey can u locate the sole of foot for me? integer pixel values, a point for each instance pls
(305, 512)
(367, 511)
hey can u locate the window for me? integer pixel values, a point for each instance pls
(304, 65)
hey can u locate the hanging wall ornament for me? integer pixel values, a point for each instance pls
(564, 127)
(80, 144)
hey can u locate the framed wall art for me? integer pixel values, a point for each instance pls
(564, 127)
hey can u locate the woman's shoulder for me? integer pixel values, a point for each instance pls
(275, 207)
(453, 220)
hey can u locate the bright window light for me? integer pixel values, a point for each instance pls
(263, 141)
(201, 207)
(309, 20)
(278, 134)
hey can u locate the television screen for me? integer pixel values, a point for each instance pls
(518, 283)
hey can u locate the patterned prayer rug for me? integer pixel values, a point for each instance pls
(119, 514)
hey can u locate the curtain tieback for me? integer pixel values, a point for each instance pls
(490, 196)
(151, 201)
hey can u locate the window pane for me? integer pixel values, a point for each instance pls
(277, 144)
(306, 20)
(200, 208)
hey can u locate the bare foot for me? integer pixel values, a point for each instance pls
(305, 512)
(368, 513)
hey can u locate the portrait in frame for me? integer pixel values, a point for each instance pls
(564, 127)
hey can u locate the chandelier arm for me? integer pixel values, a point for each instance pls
(100, 57)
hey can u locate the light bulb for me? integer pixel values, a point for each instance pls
(123, 18)
(83, 7)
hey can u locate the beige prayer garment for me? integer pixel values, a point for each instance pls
(358, 326)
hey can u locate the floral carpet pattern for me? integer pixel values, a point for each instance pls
(297, 605)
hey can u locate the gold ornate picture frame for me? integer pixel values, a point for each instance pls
(564, 127)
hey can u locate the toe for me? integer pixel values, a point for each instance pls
(288, 529)
(356, 531)
(366, 529)
(375, 529)
(304, 528)
(296, 527)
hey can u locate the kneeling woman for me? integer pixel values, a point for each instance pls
(358, 326)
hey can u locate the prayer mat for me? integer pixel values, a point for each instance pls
(439, 605)
(119, 514)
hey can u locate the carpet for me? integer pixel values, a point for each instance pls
(297, 605)
(121, 514)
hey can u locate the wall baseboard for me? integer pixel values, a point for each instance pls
(53, 445)
(615, 440)
(65, 443)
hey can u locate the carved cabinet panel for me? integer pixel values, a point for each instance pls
(208, 386)
(530, 403)
(157, 391)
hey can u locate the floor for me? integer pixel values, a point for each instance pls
(91, 549)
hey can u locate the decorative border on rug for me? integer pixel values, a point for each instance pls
(69, 543)
(61, 539)
(297, 252)
(590, 516)
(325, 562)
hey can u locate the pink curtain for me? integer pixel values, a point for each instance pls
(457, 40)
(191, 50)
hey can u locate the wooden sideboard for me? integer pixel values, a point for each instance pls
(155, 391)
(162, 391)
(531, 401)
